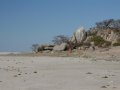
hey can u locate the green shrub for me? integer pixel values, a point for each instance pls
(116, 44)
(98, 40)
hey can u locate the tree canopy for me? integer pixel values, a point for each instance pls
(109, 24)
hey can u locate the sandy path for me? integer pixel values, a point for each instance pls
(58, 73)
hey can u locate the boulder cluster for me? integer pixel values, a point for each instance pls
(105, 34)
(49, 48)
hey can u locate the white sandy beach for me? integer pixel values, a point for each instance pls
(58, 73)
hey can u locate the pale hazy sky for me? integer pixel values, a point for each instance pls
(26, 22)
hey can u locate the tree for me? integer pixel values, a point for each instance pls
(57, 40)
(115, 25)
(109, 24)
(35, 48)
(105, 23)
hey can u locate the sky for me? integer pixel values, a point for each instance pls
(27, 22)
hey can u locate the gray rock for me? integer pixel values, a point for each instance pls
(45, 47)
(61, 47)
(48, 48)
(46, 51)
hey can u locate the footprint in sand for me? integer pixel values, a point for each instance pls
(35, 71)
(104, 87)
(105, 77)
(107, 86)
(88, 73)
(19, 74)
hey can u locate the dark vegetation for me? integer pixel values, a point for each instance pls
(116, 44)
(57, 40)
(97, 40)
(109, 24)
(100, 42)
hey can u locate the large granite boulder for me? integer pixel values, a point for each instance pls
(110, 35)
(61, 47)
(79, 35)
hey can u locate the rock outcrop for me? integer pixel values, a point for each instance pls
(108, 35)
(79, 35)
